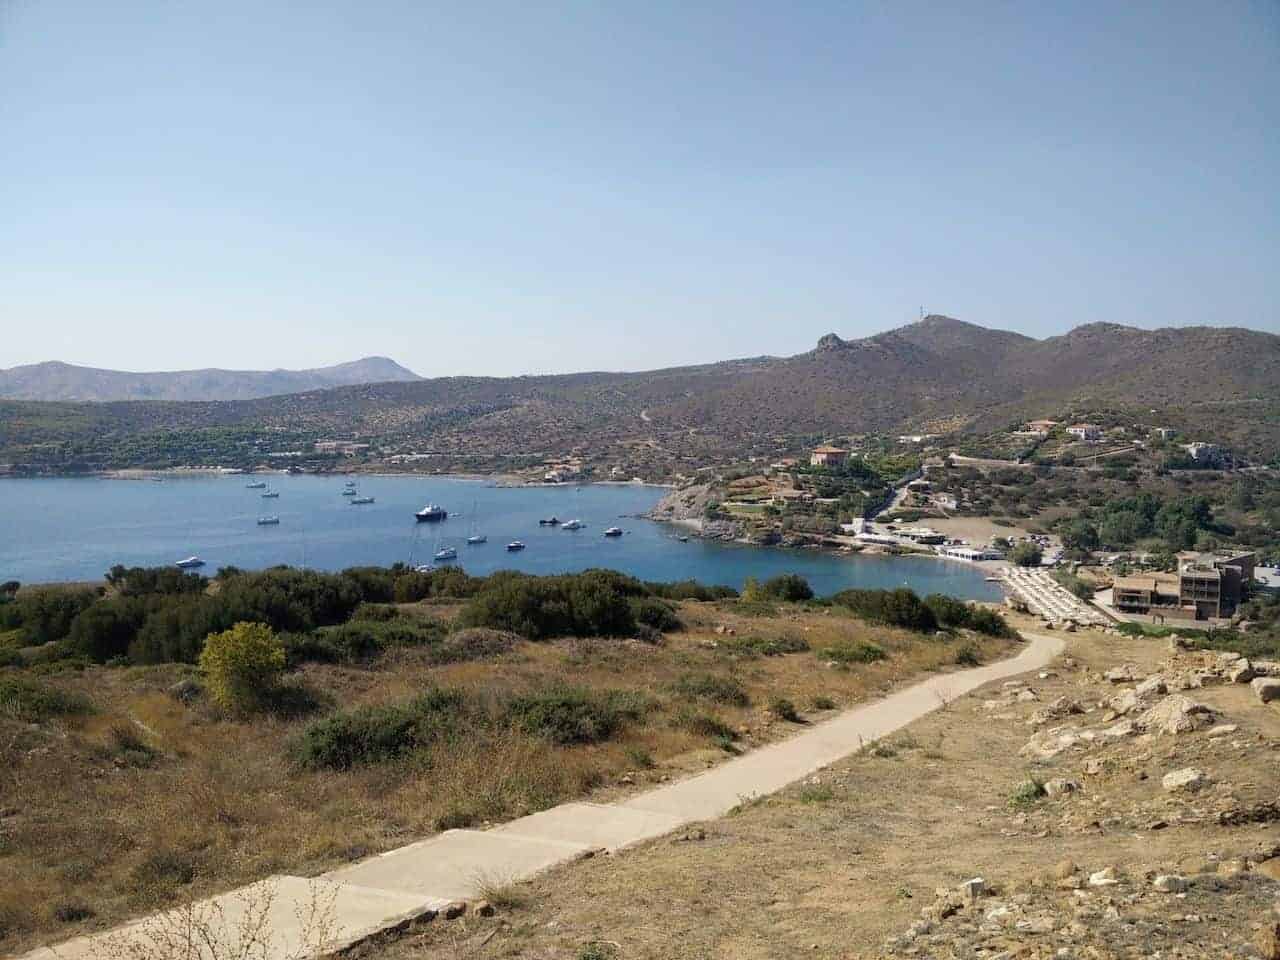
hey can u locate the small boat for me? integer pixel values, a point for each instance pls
(613, 532)
(268, 521)
(349, 492)
(157, 479)
(431, 513)
(424, 568)
(445, 553)
(572, 525)
(549, 522)
(683, 539)
(257, 485)
(355, 501)
(349, 483)
(515, 545)
(477, 538)
(190, 563)
(271, 494)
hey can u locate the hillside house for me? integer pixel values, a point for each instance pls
(1039, 428)
(1088, 432)
(1203, 453)
(1206, 587)
(828, 456)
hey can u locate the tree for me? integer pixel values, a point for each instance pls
(1080, 536)
(242, 665)
(1026, 554)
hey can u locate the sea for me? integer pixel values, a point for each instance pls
(75, 529)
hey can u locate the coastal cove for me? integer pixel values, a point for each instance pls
(63, 529)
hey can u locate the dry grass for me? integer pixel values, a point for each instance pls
(90, 835)
(832, 866)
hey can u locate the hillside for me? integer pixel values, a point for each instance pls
(939, 373)
(65, 381)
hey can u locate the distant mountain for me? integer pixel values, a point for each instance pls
(64, 381)
(937, 375)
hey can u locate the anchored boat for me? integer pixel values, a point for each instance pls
(190, 563)
(431, 513)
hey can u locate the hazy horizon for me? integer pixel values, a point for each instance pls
(504, 190)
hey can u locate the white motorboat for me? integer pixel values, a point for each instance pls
(613, 532)
(268, 521)
(190, 563)
(572, 525)
(445, 553)
(515, 545)
(356, 501)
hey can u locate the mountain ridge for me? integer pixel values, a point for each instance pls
(56, 380)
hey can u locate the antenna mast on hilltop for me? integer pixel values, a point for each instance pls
(922, 313)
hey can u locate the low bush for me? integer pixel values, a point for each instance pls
(30, 701)
(703, 725)
(968, 655)
(655, 613)
(368, 735)
(785, 588)
(956, 614)
(822, 702)
(242, 665)
(752, 646)
(709, 686)
(690, 590)
(473, 643)
(895, 608)
(595, 603)
(573, 715)
(853, 651)
(784, 709)
(1026, 793)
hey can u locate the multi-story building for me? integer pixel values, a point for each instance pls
(828, 456)
(1207, 586)
(1088, 432)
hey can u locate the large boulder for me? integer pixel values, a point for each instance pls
(1186, 780)
(1047, 744)
(1239, 671)
(1266, 689)
(1176, 714)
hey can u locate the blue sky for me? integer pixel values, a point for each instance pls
(506, 188)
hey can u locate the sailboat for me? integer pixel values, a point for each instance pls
(474, 539)
(270, 494)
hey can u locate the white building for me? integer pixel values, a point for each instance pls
(1088, 432)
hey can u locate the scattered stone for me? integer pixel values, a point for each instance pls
(454, 910)
(1106, 877)
(1171, 883)
(1188, 780)
(1256, 813)
(1126, 674)
(1222, 730)
(1151, 688)
(1267, 668)
(1047, 744)
(485, 909)
(1266, 689)
(973, 889)
(1241, 671)
(1268, 940)
(1025, 696)
(1060, 786)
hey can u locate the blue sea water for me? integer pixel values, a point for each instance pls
(76, 529)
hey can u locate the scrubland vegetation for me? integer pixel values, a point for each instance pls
(164, 735)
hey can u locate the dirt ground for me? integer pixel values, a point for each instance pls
(867, 858)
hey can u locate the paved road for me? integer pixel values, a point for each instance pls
(421, 879)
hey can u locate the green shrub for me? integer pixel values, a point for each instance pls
(1026, 793)
(752, 646)
(690, 590)
(708, 686)
(32, 702)
(242, 665)
(896, 608)
(45, 614)
(703, 725)
(368, 735)
(823, 702)
(968, 655)
(785, 588)
(853, 651)
(655, 613)
(957, 614)
(473, 643)
(572, 715)
(1026, 554)
(784, 709)
(595, 603)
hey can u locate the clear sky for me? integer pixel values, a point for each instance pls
(525, 187)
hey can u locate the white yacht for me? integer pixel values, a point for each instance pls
(356, 501)
(445, 553)
(431, 513)
(613, 532)
(572, 525)
(190, 563)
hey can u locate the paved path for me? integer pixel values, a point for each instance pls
(419, 880)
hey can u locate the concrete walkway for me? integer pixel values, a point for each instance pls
(420, 880)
